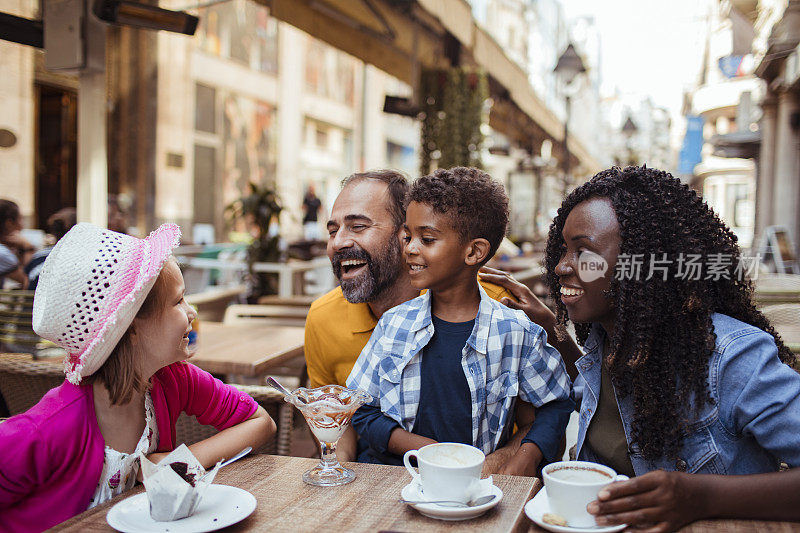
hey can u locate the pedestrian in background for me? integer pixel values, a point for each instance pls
(311, 207)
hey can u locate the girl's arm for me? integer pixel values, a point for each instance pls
(254, 432)
(665, 501)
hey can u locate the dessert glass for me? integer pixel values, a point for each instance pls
(328, 411)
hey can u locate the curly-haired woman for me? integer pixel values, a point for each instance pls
(681, 375)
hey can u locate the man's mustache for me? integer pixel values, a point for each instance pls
(346, 255)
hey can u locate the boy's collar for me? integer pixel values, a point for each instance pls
(479, 339)
(480, 333)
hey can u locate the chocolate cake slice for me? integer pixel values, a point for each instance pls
(182, 469)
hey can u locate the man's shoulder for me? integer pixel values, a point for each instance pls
(495, 292)
(333, 314)
(331, 300)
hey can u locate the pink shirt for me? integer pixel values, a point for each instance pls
(51, 456)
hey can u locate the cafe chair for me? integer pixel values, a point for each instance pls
(189, 430)
(16, 326)
(23, 380)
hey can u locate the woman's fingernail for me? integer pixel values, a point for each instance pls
(603, 494)
(601, 521)
(592, 508)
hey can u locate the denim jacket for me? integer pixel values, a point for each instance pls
(752, 425)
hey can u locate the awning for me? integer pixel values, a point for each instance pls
(402, 36)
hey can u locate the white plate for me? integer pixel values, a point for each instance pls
(221, 506)
(539, 505)
(441, 512)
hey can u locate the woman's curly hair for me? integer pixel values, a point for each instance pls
(663, 335)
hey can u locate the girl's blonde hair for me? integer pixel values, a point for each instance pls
(121, 373)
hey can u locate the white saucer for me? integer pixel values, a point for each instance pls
(539, 505)
(221, 506)
(442, 512)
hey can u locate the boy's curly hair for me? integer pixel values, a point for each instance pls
(476, 204)
(663, 334)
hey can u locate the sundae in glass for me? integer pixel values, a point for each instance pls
(328, 411)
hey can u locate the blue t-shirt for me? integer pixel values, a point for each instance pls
(445, 402)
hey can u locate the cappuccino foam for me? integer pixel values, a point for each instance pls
(580, 475)
(449, 458)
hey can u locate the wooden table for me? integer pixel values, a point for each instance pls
(370, 503)
(246, 349)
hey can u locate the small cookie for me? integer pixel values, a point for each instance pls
(554, 519)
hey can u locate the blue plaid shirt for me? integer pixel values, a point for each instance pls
(506, 356)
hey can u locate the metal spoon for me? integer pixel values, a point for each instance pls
(451, 503)
(272, 382)
(234, 458)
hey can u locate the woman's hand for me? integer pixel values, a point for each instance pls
(526, 300)
(658, 501)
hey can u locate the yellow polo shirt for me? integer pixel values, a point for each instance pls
(337, 331)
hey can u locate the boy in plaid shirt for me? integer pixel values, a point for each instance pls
(453, 365)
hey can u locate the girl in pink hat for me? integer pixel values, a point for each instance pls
(115, 304)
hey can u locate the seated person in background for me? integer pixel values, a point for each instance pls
(115, 303)
(452, 364)
(58, 225)
(15, 251)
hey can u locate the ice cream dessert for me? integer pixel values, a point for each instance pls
(328, 413)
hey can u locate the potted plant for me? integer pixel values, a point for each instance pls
(260, 209)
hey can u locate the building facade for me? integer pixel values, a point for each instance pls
(778, 65)
(246, 99)
(725, 101)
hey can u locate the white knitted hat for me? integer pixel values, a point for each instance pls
(91, 286)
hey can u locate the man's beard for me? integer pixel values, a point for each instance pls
(381, 272)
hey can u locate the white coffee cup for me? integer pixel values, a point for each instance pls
(447, 470)
(572, 485)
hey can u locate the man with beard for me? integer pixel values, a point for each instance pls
(365, 250)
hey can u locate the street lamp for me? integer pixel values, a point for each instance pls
(568, 66)
(629, 129)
